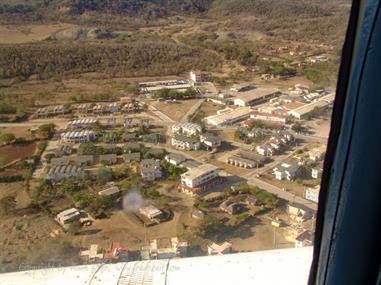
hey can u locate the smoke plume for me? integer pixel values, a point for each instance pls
(132, 201)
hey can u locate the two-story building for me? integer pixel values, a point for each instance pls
(199, 179)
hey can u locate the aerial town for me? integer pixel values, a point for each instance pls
(180, 169)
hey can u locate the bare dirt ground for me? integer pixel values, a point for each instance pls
(17, 130)
(129, 230)
(262, 237)
(176, 110)
(209, 108)
(291, 186)
(13, 152)
(28, 33)
(320, 128)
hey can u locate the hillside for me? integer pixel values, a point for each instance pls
(152, 9)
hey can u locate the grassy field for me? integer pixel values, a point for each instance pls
(18, 34)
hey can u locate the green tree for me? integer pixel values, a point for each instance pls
(297, 127)
(237, 134)
(104, 175)
(75, 228)
(211, 227)
(46, 130)
(7, 205)
(7, 138)
(48, 157)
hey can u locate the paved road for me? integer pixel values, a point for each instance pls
(281, 193)
(191, 111)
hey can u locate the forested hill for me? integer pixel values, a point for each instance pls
(50, 9)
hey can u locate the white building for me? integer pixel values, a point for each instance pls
(316, 172)
(68, 216)
(306, 109)
(276, 118)
(198, 179)
(189, 129)
(210, 140)
(151, 212)
(78, 137)
(186, 143)
(317, 153)
(164, 248)
(265, 149)
(81, 123)
(150, 169)
(175, 159)
(312, 194)
(286, 171)
(198, 76)
(229, 117)
(255, 96)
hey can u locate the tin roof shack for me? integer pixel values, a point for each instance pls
(68, 216)
(84, 160)
(63, 150)
(153, 138)
(58, 173)
(156, 153)
(128, 137)
(133, 156)
(132, 147)
(78, 137)
(52, 111)
(111, 191)
(165, 248)
(152, 213)
(59, 161)
(306, 238)
(108, 159)
(216, 249)
(81, 123)
(175, 159)
(150, 169)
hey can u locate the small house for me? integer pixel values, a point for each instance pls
(175, 159)
(133, 156)
(83, 160)
(108, 159)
